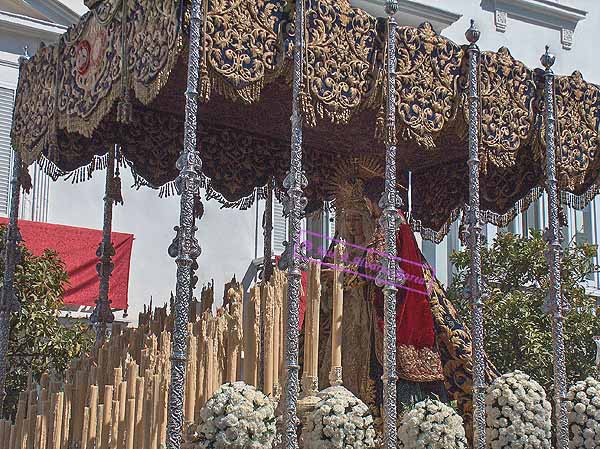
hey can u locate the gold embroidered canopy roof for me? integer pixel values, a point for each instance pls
(118, 77)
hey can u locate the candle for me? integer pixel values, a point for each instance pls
(308, 340)
(315, 272)
(335, 376)
(277, 296)
(268, 352)
(311, 331)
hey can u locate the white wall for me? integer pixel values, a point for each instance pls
(225, 236)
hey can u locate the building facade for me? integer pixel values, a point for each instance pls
(24, 25)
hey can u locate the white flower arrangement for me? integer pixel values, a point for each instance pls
(518, 414)
(238, 416)
(583, 404)
(339, 420)
(431, 424)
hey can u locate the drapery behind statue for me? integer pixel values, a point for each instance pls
(433, 346)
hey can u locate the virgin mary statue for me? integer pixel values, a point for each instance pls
(433, 346)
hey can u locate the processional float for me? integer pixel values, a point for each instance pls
(358, 84)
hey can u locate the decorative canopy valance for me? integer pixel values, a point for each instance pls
(118, 77)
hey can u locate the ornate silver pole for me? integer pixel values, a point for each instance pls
(185, 248)
(389, 219)
(102, 314)
(474, 236)
(9, 302)
(293, 257)
(553, 237)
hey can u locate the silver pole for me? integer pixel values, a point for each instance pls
(102, 314)
(9, 302)
(474, 236)
(553, 237)
(185, 249)
(390, 217)
(294, 182)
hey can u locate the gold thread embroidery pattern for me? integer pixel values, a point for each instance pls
(426, 82)
(412, 364)
(244, 48)
(507, 98)
(35, 104)
(578, 117)
(154, 46)
(90, 74)
(339, 54)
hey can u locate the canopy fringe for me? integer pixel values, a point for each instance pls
(171, 188)
(168, 189)
(487, 217)
(81, 174)
(243, 203)
(86, 172)
(502, 220)
(580, 202)
(49, 168)
(430, 234)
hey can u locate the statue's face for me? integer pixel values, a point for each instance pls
(354, 227)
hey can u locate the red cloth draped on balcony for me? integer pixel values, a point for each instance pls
(77, 249)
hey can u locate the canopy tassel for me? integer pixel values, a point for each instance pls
(205, 85)
(115, 188)
(124, 110)
(308, 110)
(198, 206)
(53, 151)
(205, 82)
(116, 193)
(26, 182)
(380, 124)
(124, 107)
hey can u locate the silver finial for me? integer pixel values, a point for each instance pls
(547, 59)
(25, 56)
(391, 7)
(473, 33)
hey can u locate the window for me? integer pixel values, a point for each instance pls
(279, 228)
(6, 110)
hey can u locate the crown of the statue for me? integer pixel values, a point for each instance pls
(347, 185)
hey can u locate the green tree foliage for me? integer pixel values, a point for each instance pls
(516, 283)
(39, 342)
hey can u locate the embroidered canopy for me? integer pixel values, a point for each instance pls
(118, 77)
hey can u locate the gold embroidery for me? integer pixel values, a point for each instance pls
(412, 364)
(419, 365)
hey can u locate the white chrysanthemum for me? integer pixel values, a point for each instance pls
(237, 417)
(433, 425)
(583, 404)
(518, 414)
(339, 420)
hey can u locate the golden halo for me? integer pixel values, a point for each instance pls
(346, 184)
